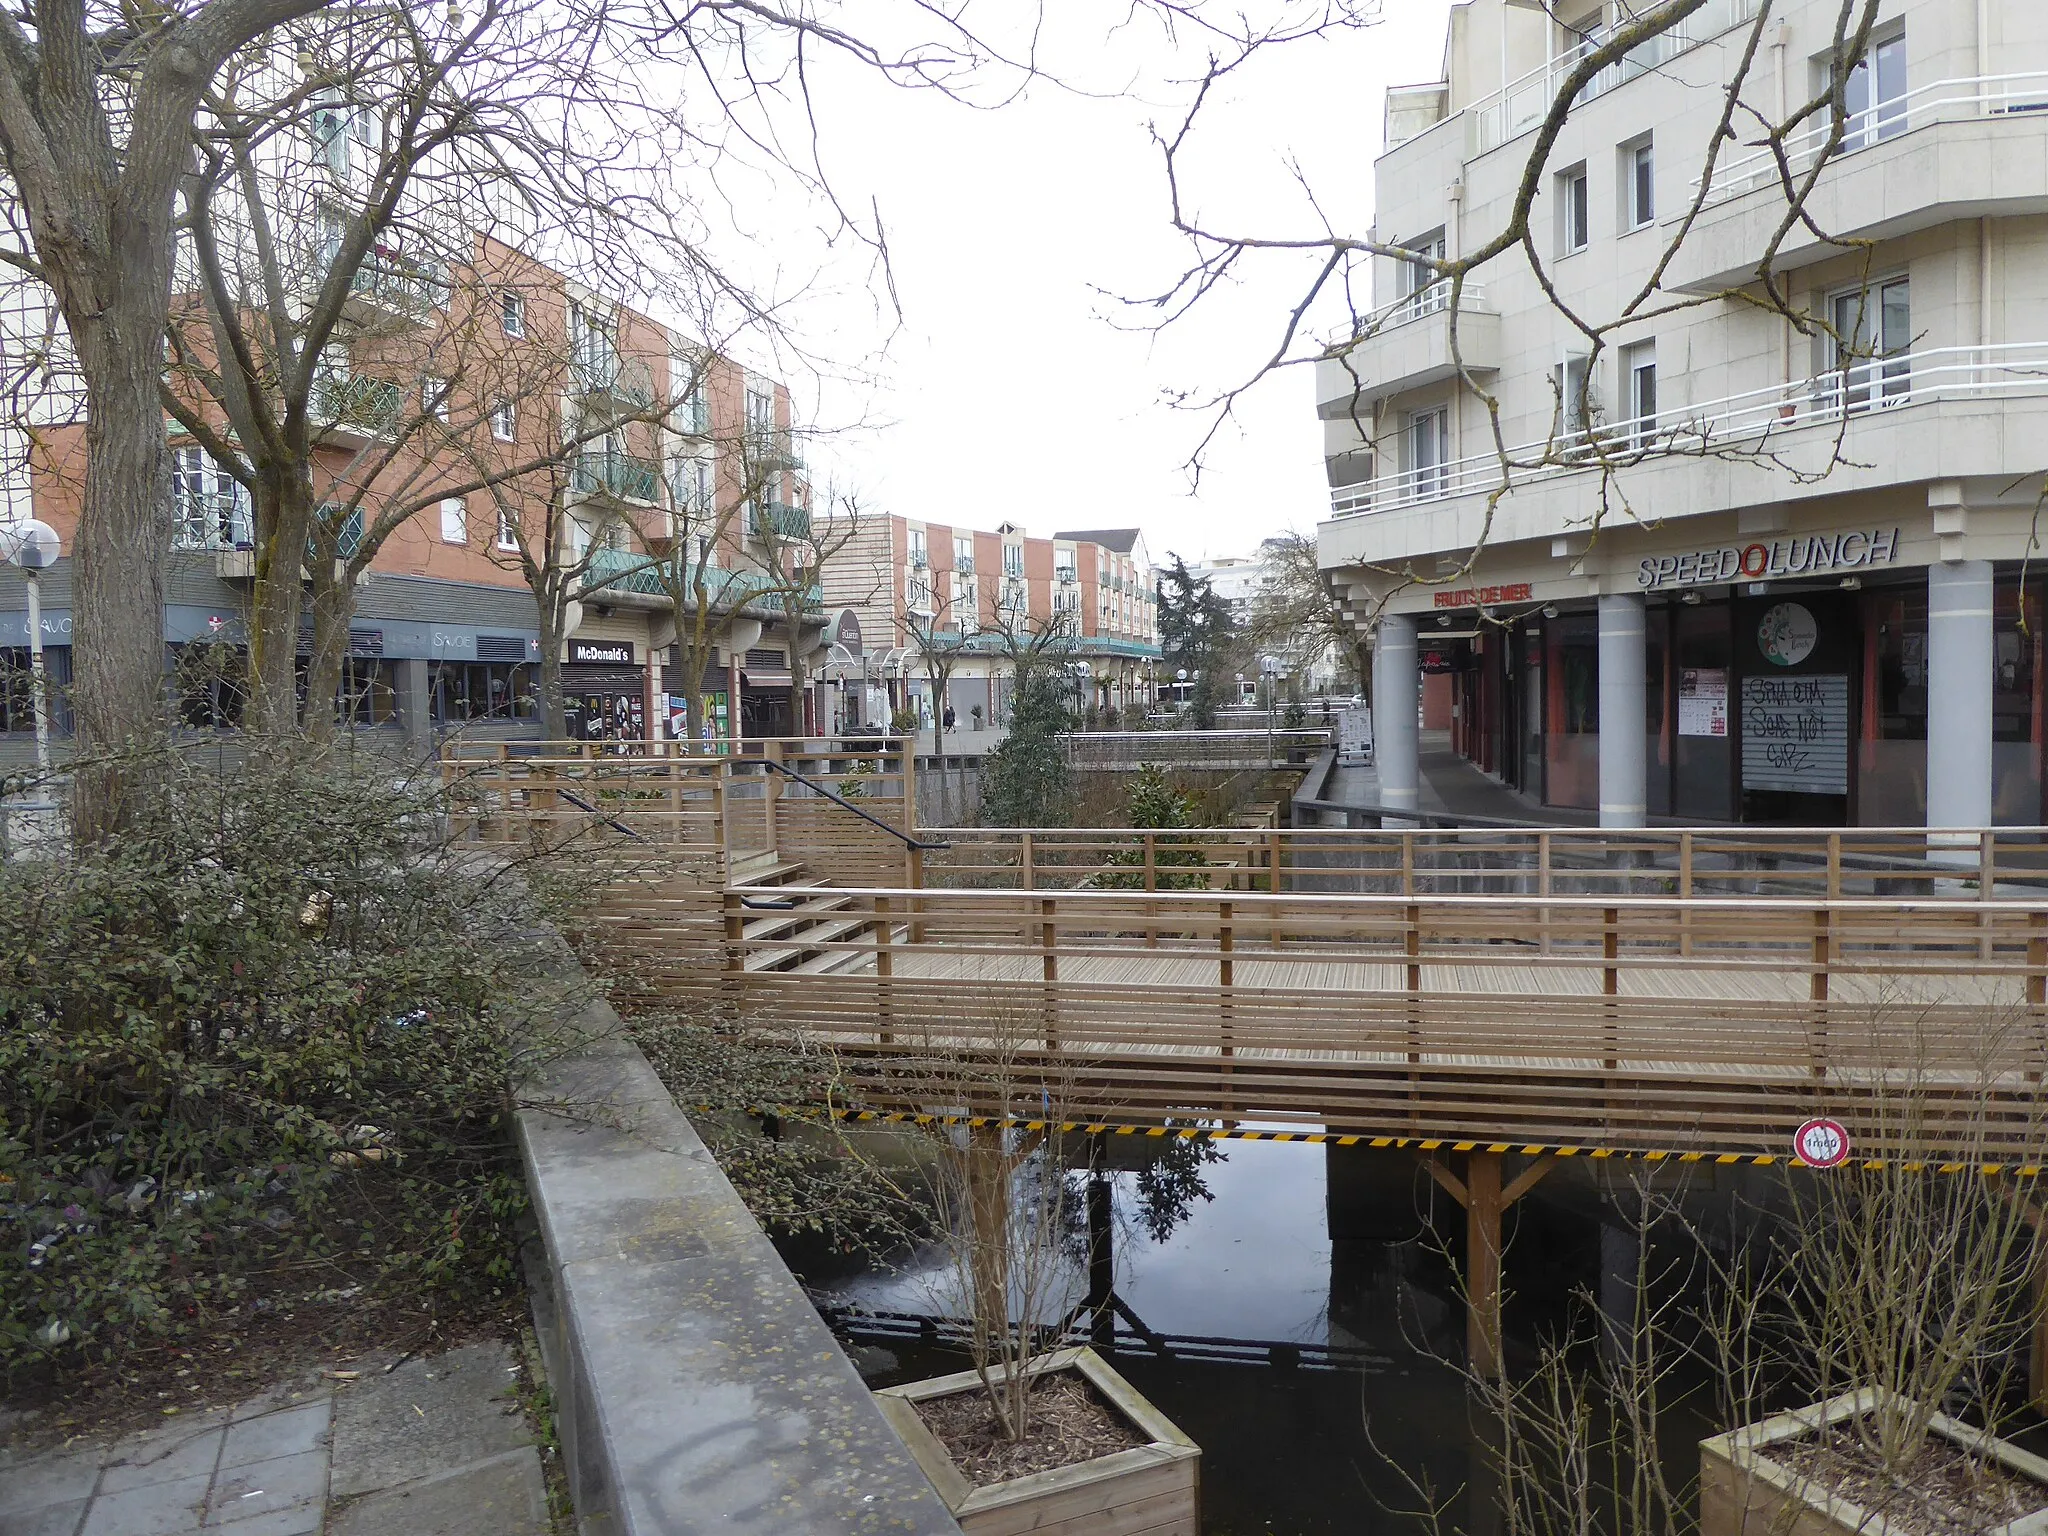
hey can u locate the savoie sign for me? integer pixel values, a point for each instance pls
(1801, 554)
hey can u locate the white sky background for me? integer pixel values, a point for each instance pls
(1009, 393)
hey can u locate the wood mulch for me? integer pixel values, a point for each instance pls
(1946, 1491)
(1065, 1424)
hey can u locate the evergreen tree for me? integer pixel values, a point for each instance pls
(1197, 634)
(1026, 781)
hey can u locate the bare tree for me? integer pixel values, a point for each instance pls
(1295, 615)
(1330, 313)
(946, 629)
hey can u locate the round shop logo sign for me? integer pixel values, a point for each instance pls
(1787, 634)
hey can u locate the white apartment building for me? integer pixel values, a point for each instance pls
(1755, 628)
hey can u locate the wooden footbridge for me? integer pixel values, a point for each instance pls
(1514, 996)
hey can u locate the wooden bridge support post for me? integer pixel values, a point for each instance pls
(1485, 1200)
(1049, 943)
(885, 969)
(1817, 989)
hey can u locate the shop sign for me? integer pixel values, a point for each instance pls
(1795, 734)
(847, 631)
(1799, 555)
(602, 653)
(1703, 701)
(1787, 633)
(1437, 658)
(1477, 597)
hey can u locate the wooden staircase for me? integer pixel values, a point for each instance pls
(801, 920)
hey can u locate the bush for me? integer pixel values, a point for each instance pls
(1026, 781)
(1154, 803)
(257, 1030)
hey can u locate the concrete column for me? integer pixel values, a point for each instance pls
(1623, 800)
(1396, 684)
(414, 705)
(1959, 674)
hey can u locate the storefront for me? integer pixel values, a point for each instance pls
(604, 691)
(1799, 698)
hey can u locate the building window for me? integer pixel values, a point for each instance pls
(330, 123)
(508, 529)
(209, 506)
(1639, 370)
(482, 690)
(1872, 332)
(504, 420)
(1874, 95)
(920, 556)
(369, 692)
(1639, 184)
(512, 312)
(18, 687)
(1573, 210)
(1420, 284)
(1429, 452)
(434, 397)
(1576, 405)
(454, 521)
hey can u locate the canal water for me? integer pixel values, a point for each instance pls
(1345, 1409)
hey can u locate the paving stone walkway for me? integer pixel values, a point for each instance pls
(434, 1447)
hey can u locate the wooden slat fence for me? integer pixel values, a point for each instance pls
(1709, 1025)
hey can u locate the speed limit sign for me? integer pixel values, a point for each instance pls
(1821, 1144)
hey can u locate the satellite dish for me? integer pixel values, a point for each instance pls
(31, 545)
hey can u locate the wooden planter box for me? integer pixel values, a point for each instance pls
(1745, 1493)
(1148, 1490)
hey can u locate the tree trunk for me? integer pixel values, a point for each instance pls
(554, 712)
(333, 605)
(283, 520)
(124, 534)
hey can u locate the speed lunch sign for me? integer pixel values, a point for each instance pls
(1821, 1143)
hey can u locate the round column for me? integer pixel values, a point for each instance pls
(1959, 675)
(1395, 698)
(1622, 699)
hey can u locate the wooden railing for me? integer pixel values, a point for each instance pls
(1829, 863)
(733, 804)
(1708, 1025)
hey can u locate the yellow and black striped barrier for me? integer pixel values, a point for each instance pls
(1415, 1143)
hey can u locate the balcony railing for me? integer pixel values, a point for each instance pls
(653, 575)
(1746, 421)
(1524, 103)
(964, 564)
(1939, 101)
(402, 287)
(608, 472)
(919, 560)
(624, 380)
(370, 407)
(780, 520)
(212, 521)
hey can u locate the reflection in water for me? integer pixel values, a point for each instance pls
(1240, 1247)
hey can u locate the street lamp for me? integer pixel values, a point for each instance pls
(34, 547)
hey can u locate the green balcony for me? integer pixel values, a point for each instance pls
(788, 522)
(358, 406)
(399, 287)
(621, 570)
(607, 472)
(625, 381)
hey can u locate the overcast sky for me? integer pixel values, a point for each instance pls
(1011, 393)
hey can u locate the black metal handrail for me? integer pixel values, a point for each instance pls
(613, 822)
(923, 845)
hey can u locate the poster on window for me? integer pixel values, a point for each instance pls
(1795, 734)
(1703, 701)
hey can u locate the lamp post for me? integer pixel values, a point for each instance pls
(1269, 672)
(34, 547)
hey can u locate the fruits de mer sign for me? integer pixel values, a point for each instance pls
(1801, 554)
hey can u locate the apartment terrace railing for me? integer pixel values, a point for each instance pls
(1707, 1026)
(401, 287)
(652, 575)
(1523, 103)
(611, 472)
(627, 381)
(212, 520)
(1747, 420)
(1939, 101)
(358, 404)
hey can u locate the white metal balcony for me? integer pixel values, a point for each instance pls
(1746, 422)
(1406, 345)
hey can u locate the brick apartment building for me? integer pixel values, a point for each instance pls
(445, 634)
(897, 590)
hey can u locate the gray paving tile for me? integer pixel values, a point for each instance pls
(264, 1486)
(162, 1509)
(504, 1496)
(428, 1416)
(164, 1456)
(50, 1520)
(284, 1432)
(51, 1478)
(299, 1520)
